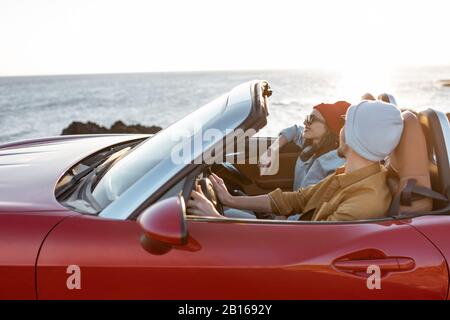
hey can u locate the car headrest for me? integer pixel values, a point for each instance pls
(409, 160)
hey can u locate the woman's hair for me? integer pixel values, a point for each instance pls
(328, 142)
(367, 96)
(410, 110)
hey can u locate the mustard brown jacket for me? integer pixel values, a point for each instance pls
(359, 195)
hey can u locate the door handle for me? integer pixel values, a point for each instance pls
(388, 264)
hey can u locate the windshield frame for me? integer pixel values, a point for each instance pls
(148, 155)
(246, 108)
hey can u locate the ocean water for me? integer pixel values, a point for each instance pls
(38, 106)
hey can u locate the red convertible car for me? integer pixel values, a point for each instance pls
(104, 217)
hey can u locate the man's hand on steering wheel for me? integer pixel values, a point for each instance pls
(200, 205)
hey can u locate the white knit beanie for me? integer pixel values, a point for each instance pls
(373, 129)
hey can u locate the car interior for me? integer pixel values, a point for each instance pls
(409, 172)
(418, 171)
(438, 159)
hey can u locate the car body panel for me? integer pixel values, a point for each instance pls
(236, 260)
(28, 207)
(436, 229)
(21, 238)
(29, 170)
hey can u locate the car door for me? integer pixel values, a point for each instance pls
(226, 259)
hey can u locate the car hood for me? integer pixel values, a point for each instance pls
(30, 169)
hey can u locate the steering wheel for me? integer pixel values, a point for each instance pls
(231, 174)
(209, 192)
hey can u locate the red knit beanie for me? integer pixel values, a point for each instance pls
(332, 113)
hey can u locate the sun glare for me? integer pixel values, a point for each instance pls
(356, 80)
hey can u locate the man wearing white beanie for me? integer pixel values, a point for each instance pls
(372, 130)
(357, 191)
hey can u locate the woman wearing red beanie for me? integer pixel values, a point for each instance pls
(318, 139)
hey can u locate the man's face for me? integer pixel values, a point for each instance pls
(343, 147)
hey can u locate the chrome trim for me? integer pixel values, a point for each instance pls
(445, 126)
(238, 108)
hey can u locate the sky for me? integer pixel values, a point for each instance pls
(41, 37)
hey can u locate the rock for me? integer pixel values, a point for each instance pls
(77, 127)
(120, 127)
(89, 127)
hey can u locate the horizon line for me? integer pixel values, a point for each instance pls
(211, 71)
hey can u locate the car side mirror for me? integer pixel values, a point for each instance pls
(164, 225)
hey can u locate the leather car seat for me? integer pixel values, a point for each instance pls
(408, 167)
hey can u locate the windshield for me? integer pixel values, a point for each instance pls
(151, 152)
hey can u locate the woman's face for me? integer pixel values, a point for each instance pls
(316, 128)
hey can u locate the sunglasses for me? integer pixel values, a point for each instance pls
(311, 118)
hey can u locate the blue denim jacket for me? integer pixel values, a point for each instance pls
(313, 170)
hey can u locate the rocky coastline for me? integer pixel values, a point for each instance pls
(77, 127)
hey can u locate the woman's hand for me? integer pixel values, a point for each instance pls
(265, 160)
(221, 190)
(200, 205)
(259, 203)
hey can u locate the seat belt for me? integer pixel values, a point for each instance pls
(410, 193)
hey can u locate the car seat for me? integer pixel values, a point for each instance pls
(408, 171)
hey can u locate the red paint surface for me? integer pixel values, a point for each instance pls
(29, 170)
(164, 221)
(21, 237)
(238, 261)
